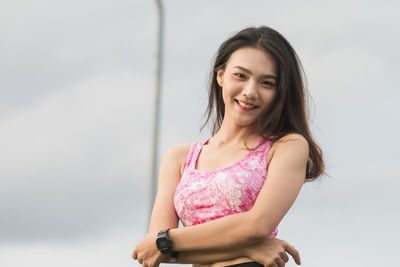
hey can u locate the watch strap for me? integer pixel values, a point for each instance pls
(163, 235)
(173, 257)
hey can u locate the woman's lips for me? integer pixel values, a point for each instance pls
(245, 105)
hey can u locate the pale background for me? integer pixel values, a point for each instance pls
(76, 103)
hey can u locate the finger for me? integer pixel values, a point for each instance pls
(280, 262)
(272, 265)
(134, 255)
(294, 253)
(284, 256)
(140, 260)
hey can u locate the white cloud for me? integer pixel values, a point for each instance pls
(67, 127)
(77, 150)
(106, 250)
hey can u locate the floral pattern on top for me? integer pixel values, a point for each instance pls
(205, 195)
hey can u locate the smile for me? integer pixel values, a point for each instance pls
(246, 106)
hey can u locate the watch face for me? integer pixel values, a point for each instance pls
(164, 245)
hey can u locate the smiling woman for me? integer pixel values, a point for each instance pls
(232, 190)
(248, 83)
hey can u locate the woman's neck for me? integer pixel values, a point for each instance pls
(230, 133)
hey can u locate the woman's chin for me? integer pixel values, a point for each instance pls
(245, 123)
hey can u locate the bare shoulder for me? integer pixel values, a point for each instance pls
(177, 155)
(292, 143)
(178, 151)
(292, 138)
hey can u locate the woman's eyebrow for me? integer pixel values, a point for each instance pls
(270, 76)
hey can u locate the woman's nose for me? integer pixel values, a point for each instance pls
(250, 90)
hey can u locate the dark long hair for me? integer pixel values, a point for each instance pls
(287, 113)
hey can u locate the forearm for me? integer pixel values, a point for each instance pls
(208, 256)
(229, 232)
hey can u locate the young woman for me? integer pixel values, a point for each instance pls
(232, 190)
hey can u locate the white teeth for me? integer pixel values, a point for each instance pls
(245, 105)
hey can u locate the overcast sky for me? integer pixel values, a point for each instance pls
(76, 104)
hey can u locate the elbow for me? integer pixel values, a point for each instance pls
(260, 229)
(259, 233)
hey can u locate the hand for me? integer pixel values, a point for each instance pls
(271, 252)
(147, 253)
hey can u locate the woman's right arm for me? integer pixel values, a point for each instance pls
(164, 217)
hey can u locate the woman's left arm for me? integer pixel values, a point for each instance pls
(286, 175)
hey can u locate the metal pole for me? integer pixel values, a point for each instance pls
(157, 101)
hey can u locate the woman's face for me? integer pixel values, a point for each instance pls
(249, 83)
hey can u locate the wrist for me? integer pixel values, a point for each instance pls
(173, 235)
(164, 242)
(165, 246)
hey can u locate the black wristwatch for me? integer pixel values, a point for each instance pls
(164, 242)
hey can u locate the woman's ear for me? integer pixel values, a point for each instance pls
(220, 77)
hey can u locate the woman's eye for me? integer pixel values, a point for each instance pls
(240, 75)
(269, 84)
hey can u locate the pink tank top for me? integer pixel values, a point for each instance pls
(205, 195)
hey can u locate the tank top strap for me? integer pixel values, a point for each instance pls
(193, 155)
(262, 147)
